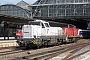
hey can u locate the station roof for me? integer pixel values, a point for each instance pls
(23, 4)
(21, 20)
(14, 19)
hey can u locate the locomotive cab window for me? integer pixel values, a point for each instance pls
(47, 25)
(42, 25)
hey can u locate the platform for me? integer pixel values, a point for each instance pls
(8, 43)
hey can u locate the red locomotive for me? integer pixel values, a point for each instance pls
(71, 32)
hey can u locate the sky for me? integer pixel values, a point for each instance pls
(15, 1)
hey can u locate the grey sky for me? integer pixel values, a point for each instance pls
(16, 1)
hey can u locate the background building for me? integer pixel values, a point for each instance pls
(23, 4)
(14, 10)
(61, 9)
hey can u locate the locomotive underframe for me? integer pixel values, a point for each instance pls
(46, 40)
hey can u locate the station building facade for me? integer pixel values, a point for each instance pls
(61, 9)
(14, 10)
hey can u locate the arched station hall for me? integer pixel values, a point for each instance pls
(10, 17)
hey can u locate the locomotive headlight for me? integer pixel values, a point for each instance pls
(34, 41)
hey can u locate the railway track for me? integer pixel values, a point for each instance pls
(10, 50)
(70, 56)
(45, 53)
(12, 47)
(75, 54)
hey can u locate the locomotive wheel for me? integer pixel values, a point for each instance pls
(75, 39)
(58, 42)
(20, 44)
(45, 43)
(38, 46)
